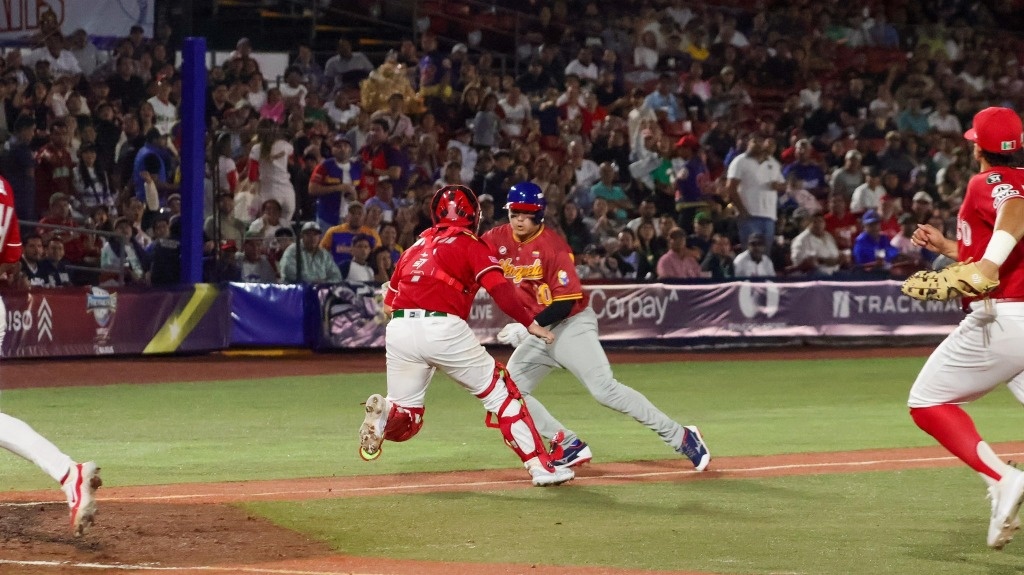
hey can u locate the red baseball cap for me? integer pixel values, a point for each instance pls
(996, 130)
(688, 141)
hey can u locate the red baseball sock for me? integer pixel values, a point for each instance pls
(954, 429)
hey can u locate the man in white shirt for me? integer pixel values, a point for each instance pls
(754, 184)
(166, 111)
(346, 67)
(516, 111)
(341, 110)
(814, 250)
(358, 268)
(583, 67)
(753, 262)
(62, 62)
(868, 195)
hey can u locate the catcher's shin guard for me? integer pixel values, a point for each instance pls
(403, 423)
(512, 418)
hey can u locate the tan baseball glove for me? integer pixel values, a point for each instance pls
(959, 279)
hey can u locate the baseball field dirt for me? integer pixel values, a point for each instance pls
(193, 528)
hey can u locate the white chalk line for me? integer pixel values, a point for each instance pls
(517, 482)
(159, 568)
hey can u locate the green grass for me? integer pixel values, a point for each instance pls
(930, 521)
(926, 521)
(306, 427)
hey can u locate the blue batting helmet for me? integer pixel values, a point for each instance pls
(527, 197)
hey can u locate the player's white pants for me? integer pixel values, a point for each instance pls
(19, 438)
(984, 351)
(578, 350)
(416, 347)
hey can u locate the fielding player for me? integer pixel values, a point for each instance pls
(429, 298)
(985, 349)
(79, 481)
(539, 264)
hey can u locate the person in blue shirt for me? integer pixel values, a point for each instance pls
(335, 181)
(663, 98)
(872, 250)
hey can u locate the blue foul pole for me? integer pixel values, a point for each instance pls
(193, 158)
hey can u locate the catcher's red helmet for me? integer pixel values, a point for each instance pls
(455, 206)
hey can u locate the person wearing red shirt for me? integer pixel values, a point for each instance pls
(985, 349)
(79, 481)
(54, 168)
(539, 263)
(429, 299)
(379, 158)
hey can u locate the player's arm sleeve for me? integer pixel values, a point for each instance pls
(504, 295)
(554, 313)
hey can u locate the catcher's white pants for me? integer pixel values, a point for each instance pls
(983, 352)
(19, 438)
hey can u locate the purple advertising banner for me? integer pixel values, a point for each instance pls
(96, 321)
(737, 311)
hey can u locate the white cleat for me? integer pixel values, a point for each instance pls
(80, 486)
(371, 432)
(1007, 496)
(544, 477)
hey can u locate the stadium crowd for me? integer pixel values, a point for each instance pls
(673, 140)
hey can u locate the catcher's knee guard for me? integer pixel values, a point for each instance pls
(403, 423)
(504, 402)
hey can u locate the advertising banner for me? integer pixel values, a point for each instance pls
(19, 19)
(97, 321)
(675, 313)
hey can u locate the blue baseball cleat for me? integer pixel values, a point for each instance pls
(694, 448)
(576, 453)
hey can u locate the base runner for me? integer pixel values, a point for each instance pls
(78, 481)
(539, 264)
(429, 298)
(984, 351)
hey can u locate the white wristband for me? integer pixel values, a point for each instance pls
(999, 247)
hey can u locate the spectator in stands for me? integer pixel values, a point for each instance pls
(664, 98)
(921, 207)
(230, 227)
(383, 265)
(753, 262)
(499, 180)
(358, 268)
(535, 81)
(624, 251)
(872, 250)
(316, 265)
(909, 257)
(893, 157)
(814, 250)
(942, 121)
(55, 257)
(379, 158)
(718, 263)
(595, 264)
(53, 167)
(62, 63)
(268, 164)
(254, 265)
(912, 119)
(679, 262)
(150, 159)
(312, 74)
(338, 239)
(121, 258)
(92, 183)
(702, 238)
(849, 177)
(754, 183)
(18, 164)
(809, 175)
(613, 196)
(269, 221)
(166, 112)
(34, 267)
(868, 195)
(334, 182)
(384, 200)
(841, 223)
(346, 68)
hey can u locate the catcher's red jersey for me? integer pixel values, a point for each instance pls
(440, 272)
(986, 193)
(10, 235)
(541, 267)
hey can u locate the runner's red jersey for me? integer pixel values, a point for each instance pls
(986, 193)
(440, 272)
(541, 268)
(10, 235)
